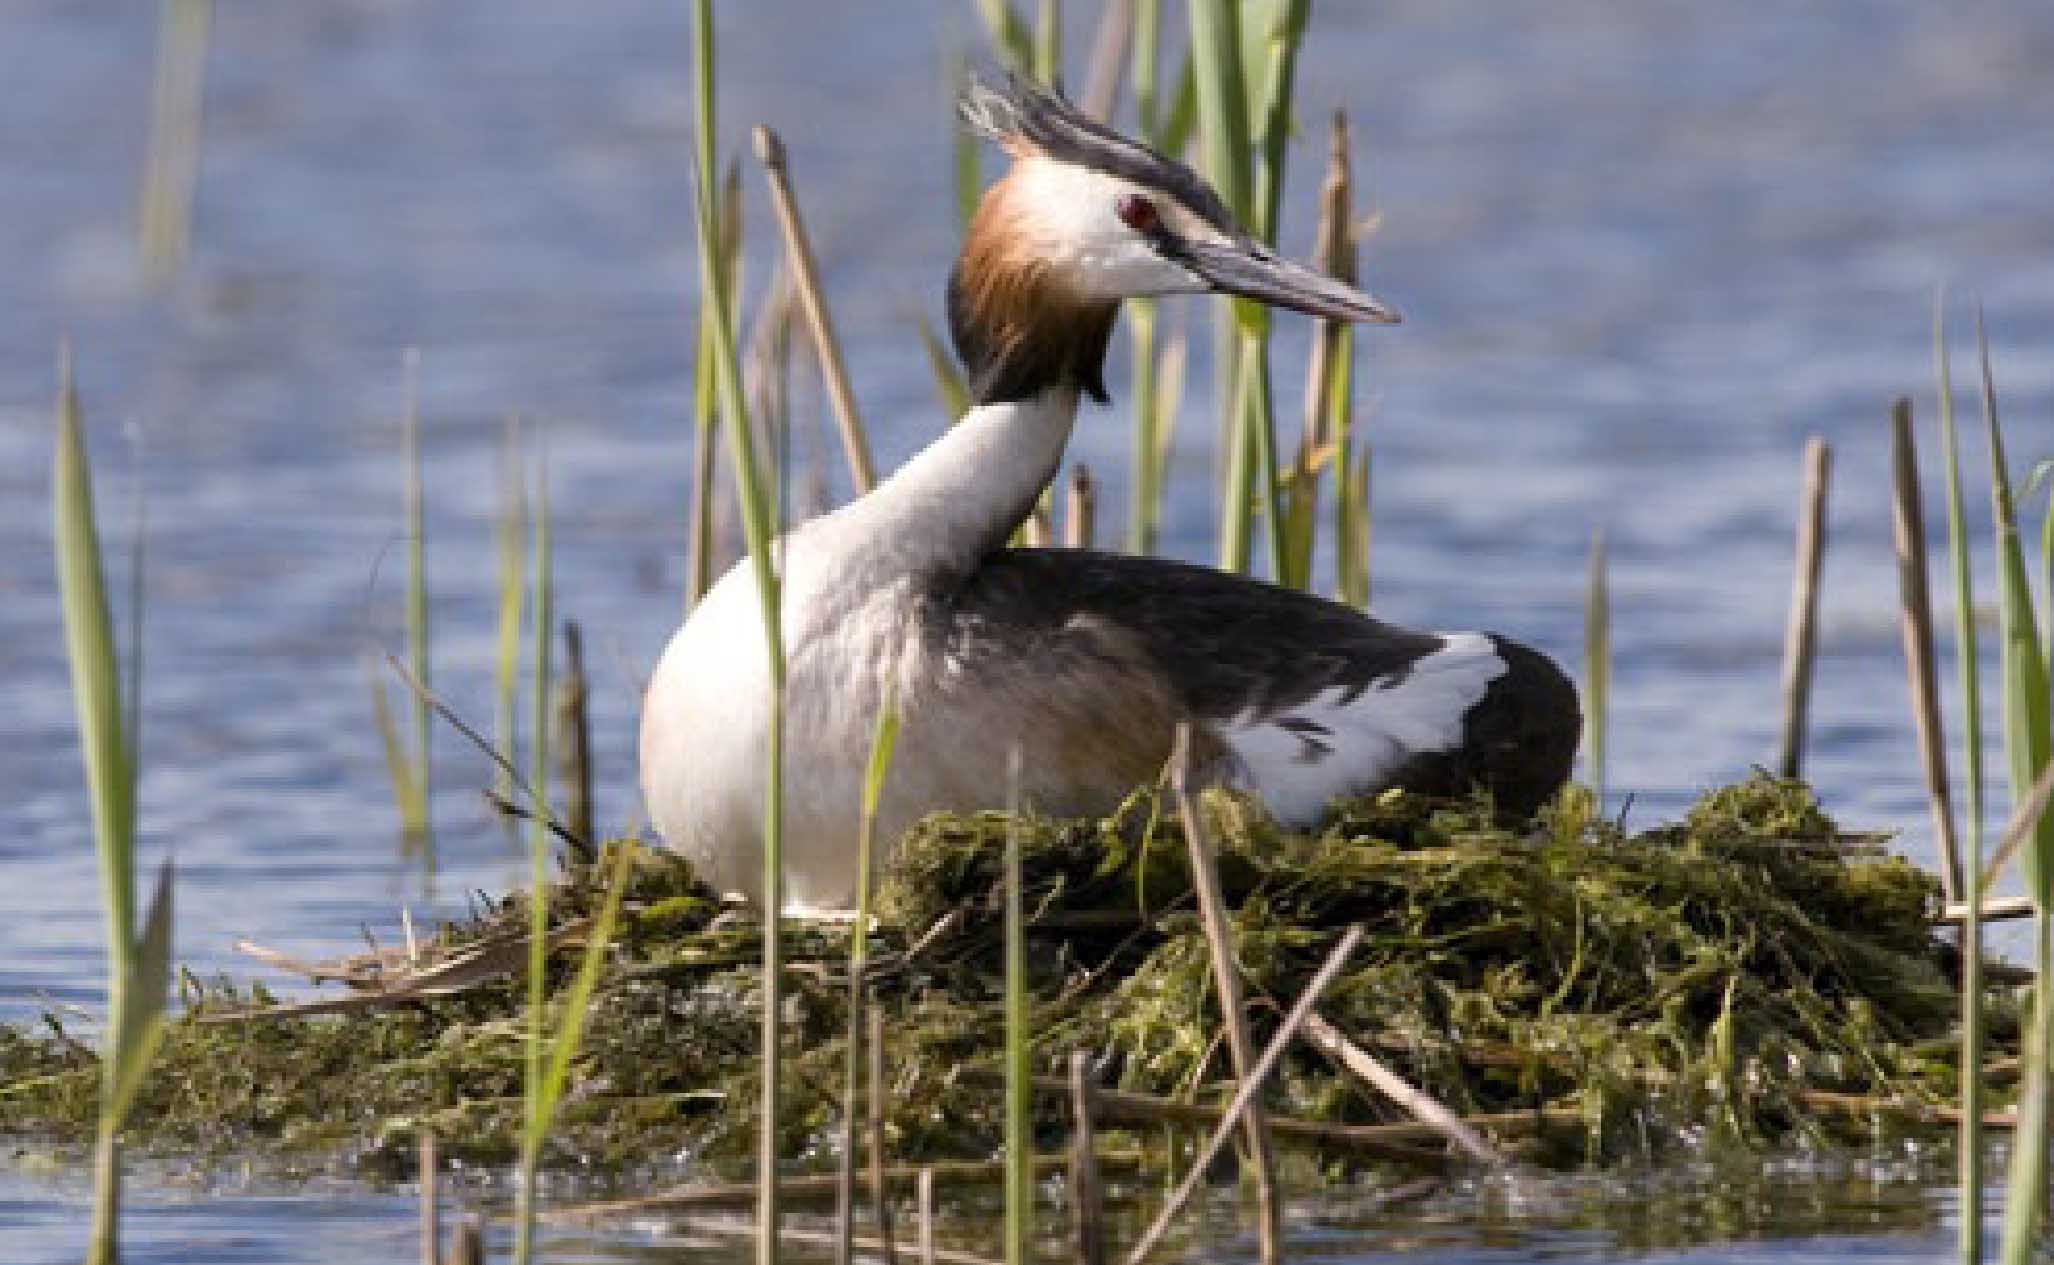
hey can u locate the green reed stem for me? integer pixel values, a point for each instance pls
(884, 739)
(1048, 43)
(705, 393)
(550, 1063)
(1019, 1082)
(417, 826)
(1280, 43)
(1147, 61)
(1145, 507)
(541, 605)
(758, 520)
(138, 966)
(1966, 658)
(512, 532)
(1222, 97)
(1258, 414)
(2026, 742)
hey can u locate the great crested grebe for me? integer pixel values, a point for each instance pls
(1087, 661)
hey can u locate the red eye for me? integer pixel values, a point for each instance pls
(1137, 213)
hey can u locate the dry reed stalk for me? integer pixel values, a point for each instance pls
(1994, 909)
(1080, 512)
(737, 1229)
(1384, 1141)
(1087, 1197)
(574, 724)
(1230, 1119)
(431, 1211)
(1037, 532)
(1597, 666)
(821, 1186)
(1908, 520)
(1219, 939)
(2025, 822)
(1333, 1043)
(767, 374)
(1898, 1108)
(171, 166)
(770, 151)
(880, 1189)
(1800, 640)
(1109, 45)
(470, 1243)
(1328, 406)
(924, 1198)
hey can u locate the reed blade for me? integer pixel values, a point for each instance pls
(418, 836)
(2026, 701)
(95, 674)
(138, 965)
(141, 1023)
(576, 1005)
(512, 533)
(2026, 743)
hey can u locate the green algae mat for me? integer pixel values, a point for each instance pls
(1747, 977)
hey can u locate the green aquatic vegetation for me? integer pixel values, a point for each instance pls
(1709, 981)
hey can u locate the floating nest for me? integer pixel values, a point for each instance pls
(1742, 978)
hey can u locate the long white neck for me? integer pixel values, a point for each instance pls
(963, 494)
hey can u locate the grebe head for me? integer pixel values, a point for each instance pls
(1084, 219)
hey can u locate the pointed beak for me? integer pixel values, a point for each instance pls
(1253, 271)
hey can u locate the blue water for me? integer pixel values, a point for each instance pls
(1643, 251)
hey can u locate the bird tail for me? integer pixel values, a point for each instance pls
(1519, 739)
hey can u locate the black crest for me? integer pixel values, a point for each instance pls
(1023, 113)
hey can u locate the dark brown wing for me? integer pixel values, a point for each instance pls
(1226, 647)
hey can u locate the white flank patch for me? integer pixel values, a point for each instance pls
(1365, 740)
